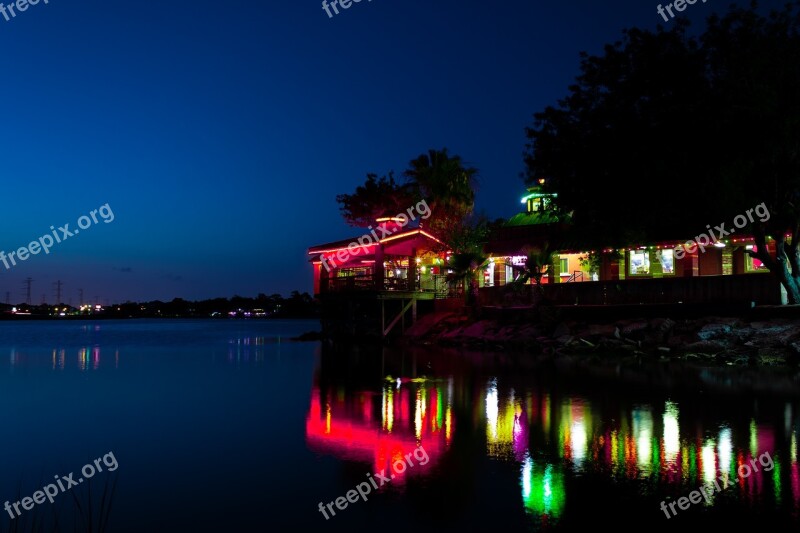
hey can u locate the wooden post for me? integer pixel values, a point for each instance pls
(380, 271)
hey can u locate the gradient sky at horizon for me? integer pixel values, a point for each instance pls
(220, 133)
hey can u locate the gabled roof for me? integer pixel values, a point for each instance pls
(366, 241)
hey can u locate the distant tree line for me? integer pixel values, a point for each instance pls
(297, 305)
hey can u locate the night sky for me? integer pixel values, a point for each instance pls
(220, 133)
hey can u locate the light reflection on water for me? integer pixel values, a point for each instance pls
(241, 350)
(664, 446)
(519, 449)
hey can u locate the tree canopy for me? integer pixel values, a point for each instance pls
(666, 133)
(377, 197)
(444, 181)
(448, 186)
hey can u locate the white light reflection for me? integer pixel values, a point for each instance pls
(709, 461)
(725, 449)
(672, 433)
(492, 408)
(643, 433)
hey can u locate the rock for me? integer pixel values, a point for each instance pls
(662, 325)
(610, 343)
(712, 331)
(565, 339)
(768, 325)
(476, 330)
(677, 341)
(561, 330)
(708, 346)
(632, 327)
(791, 334)
(775, 336)
(603, 330)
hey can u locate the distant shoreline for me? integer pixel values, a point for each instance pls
(8, 317)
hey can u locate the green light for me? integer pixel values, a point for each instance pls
(692, 461)
(439, 407)
(538, 195)
(655, 466)
(543, 490)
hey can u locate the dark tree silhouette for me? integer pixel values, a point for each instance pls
(666, 133)
(378, 197)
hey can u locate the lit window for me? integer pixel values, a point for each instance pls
(639, 262)
(488, 275)
(667, 259)
(751, 264)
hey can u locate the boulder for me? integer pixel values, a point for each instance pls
(713, 331)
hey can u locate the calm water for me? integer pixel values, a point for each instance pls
(230, 426)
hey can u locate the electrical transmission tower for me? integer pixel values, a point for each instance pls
(28, 282)
(58, 285)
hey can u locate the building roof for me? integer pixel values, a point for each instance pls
(366, 241)
(532, 219)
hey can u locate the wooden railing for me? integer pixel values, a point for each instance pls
(759, 288)
(436, 284)
(350, 283)
(577, 275)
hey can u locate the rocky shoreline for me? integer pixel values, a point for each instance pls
(712, 340)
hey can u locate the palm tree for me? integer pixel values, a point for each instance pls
(465, 243)
(538, 259)
(448, 186)
(464, 268)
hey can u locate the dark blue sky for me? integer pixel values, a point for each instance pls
(220, 132)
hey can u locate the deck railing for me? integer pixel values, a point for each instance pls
(763, 289)
(576, 275)
(436, 284)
